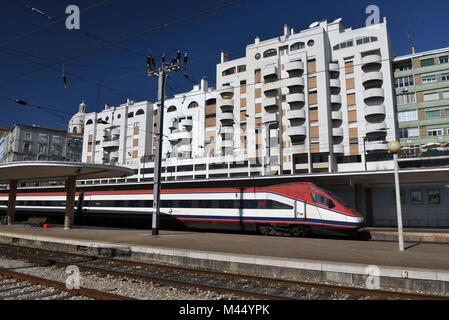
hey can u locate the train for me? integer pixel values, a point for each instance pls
(294, 209)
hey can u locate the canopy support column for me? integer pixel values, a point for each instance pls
(70, 202)
(12, 201)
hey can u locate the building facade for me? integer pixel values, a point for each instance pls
(119, 135)
(422, 93)
(34, 143)
(317, 100)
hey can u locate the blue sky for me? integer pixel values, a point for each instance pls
(124, 72)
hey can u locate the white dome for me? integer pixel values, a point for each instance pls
(76, 124)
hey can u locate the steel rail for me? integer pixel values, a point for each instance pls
(95, 294)
(353, 291)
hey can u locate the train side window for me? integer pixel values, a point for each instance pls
(185, 204)
(226, 204)
(205, 204)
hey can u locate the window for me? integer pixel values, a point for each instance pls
(41, 149)
(56, 140)
(416, 197)
(444, 59)
(405, 116)
(310, 43)
(354, 141)
(131, 115)
(364, 40)
(431, 96)
(434, 196)
(429, 79)
(407, 98)
(297, 46)
(270, 53)
(241, 69)
(404, 67)
(322, 200)
(343, 45)
(43, 139)
(26, 147)
(229, 71)
(172, 109)
(140, 112)
(427, 62)
(89, 122)
(434, 132)
(27, 136)
(433, 114)
(408, 133)
(193, 105)
(445, 77)
(404, 82)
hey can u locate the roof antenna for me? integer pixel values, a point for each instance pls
(412, 44)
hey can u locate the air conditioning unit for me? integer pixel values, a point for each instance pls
(404, 89)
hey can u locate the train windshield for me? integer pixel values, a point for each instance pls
(338, 198)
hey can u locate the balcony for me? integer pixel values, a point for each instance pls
(371, 60)
(270, 118)
(294, 66)
(337, 132)
(111, 144)
(114, 155)
(339, 149)
(372, 77)
(335, 99)
(274, 102)
(294, 82)
(271, 87)
(296, 98)
(334, 67)
(227, 144)
(337, 115)
(186, 123)
(227, 91)
(270, 71)
(376, 128)
(377, 146)
(227, 103)
(371, 111)
(227, 130)
(185, 148)
(297, 132)
(178, 136)
(374, 93)
(335, 83)
(296, 115)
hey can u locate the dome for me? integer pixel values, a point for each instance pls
(76, 124)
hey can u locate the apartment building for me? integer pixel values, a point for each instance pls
(34, 143)
(119, 135)
(317, 100)
(422, 93)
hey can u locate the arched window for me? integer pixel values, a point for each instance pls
(131, 115)
(193, 105)
(140, 112)
(211, 102)
(270, 53)
(297, 46)
(75, 130)
(89, 122)
(172, 109)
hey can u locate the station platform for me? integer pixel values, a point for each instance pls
(423, 267)
(410, 234)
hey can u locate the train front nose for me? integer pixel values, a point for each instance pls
(358, 218)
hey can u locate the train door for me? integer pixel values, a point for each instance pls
(300, 207)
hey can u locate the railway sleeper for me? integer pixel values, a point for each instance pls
(285, 230)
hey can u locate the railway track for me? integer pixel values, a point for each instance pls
(203, 280)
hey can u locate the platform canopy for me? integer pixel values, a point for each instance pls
(53, 171)
(45, 171)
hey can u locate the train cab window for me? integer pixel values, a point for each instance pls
(322, 200)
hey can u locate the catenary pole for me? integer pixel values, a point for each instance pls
(161, 73)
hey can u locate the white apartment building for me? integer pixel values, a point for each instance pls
(317, 100)
(119, 135)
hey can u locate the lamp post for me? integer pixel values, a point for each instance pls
(395, 147)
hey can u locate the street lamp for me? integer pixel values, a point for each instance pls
(395, 147)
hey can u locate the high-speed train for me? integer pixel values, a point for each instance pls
(293, 209)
